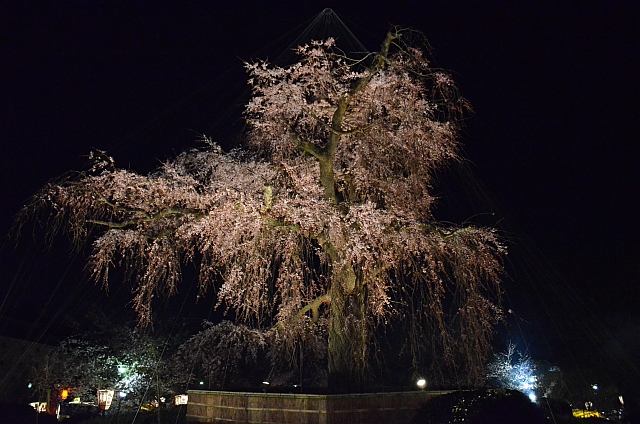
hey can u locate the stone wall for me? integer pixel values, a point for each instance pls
(239, 407)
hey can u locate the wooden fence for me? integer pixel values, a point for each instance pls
(239, 407)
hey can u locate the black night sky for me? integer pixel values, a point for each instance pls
(553, 138)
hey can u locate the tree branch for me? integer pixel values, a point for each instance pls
(147, 217)
(378, 62)
(339, 131)
(313, 306)
(307, 147)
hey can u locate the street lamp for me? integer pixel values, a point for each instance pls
(421, 383)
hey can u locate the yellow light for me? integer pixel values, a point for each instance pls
(580, 413)
(64, 394)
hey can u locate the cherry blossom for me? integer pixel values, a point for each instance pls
(322, 220)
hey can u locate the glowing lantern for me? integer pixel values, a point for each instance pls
(181, 399)
(104, 399)
(64, 394)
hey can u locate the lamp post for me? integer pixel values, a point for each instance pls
(121, 395)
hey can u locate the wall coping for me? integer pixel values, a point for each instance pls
(324, 396)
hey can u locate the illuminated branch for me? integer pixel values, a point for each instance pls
(147, 218)
(341, 132)
(313, 306)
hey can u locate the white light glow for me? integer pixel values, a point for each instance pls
(421, 383)
(181, 399)
(533, 397)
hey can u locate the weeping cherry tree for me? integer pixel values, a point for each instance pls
(320, 228)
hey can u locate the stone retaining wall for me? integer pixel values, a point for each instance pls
(239, 407)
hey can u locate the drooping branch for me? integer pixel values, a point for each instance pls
(330, 205)
(378, 62)
(313, 306)
(146, 217)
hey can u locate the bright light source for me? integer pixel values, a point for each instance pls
(122, 369)
(30, 385)
(202, 383)
(104, 399)
(122, 394)
(265, 382)
(621, 400)
(533, 397)
(181, 399)
(421, 383)
(594, 387)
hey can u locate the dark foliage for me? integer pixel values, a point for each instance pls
(481, 407)
(22, 414)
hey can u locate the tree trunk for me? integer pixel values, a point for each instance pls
(348, 335)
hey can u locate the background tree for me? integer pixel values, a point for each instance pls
(228, 355)
(514, 370)
(322, 222)
(115, 357)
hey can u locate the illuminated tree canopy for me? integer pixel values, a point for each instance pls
(321, 225)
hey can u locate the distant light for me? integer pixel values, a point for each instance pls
(265, 382)
(533, 397)
(421, 383)
(122, 369)
(202, 383)
(621, 400)
(594, 387)
(122, 394)
(30, 385)
(181, 400)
